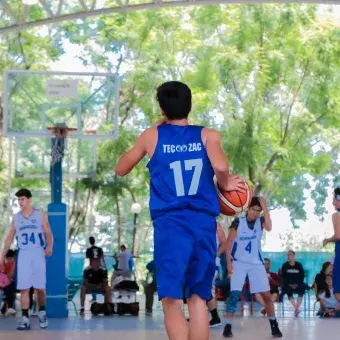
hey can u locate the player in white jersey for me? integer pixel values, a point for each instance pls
(35, 241)
(244, 258)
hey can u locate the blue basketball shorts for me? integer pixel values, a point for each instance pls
(336, 275)
(185, 254)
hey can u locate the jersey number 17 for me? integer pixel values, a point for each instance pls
(189, 165)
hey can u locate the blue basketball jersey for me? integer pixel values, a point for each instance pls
(29, 230)
(181, 173)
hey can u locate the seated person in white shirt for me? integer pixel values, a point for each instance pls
(327, 299)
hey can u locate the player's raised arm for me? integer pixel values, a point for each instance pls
(131, 158)
(267, 225)
(48, 233)
(7, 243)
(212, 141)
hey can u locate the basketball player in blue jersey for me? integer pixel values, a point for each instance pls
(35, 241)
(183, 206)
(244, 258)
(336, 239)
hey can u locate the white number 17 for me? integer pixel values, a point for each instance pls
(197, 164)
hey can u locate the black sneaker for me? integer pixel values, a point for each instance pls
(276, 333)
(227, 333)
(215, 322)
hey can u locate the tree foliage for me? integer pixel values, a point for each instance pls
(266, 76)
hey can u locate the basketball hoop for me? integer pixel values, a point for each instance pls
(60, 132)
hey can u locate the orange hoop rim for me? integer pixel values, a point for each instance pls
(91, 132)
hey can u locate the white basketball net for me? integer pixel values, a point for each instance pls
(58, 146)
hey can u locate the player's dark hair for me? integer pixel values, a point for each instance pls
(291, 251)
(255, 202)
(174, 98)
(337, 193)
(123, 247)
(23, 193)
(266, 259)
(10, 253)
(92, 240)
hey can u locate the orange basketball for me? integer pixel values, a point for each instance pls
(234, 202)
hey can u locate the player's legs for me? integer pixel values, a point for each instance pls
(200, 275)
(275, 295)
(175, 323)
(236, 285)
(24, 301)
(173, 244)
(212, 307)
(24, 283)
(259, 299)
(259, 284)
(39, 284)
(199, 321)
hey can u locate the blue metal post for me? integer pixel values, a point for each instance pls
(57, 264)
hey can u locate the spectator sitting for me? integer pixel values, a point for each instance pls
(150, 288)
(95, 252)
(274, 282)
(95, 281)
(320, 278)
(327, 299)
(292, 275)
(8, 307)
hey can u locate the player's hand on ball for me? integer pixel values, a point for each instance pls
(235, 182)
(48, 251)
(324, 242)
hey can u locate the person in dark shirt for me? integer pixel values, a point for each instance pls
(150, 288)
(95, 252)
(293, 275)
(95, 281)
(320, 278)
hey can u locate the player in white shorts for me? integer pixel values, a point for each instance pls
(244, 258)
(35, 241)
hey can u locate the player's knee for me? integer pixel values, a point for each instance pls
(24, 292)
(233, 299)
(170, 303)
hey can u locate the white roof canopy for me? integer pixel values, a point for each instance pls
(17, 14)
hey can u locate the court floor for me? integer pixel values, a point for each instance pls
(152, 328)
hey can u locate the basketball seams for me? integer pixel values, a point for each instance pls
(226, 202)
(230, 208)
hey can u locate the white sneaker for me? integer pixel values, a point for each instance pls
(10, 312)
(24, 324)
(43, 322)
